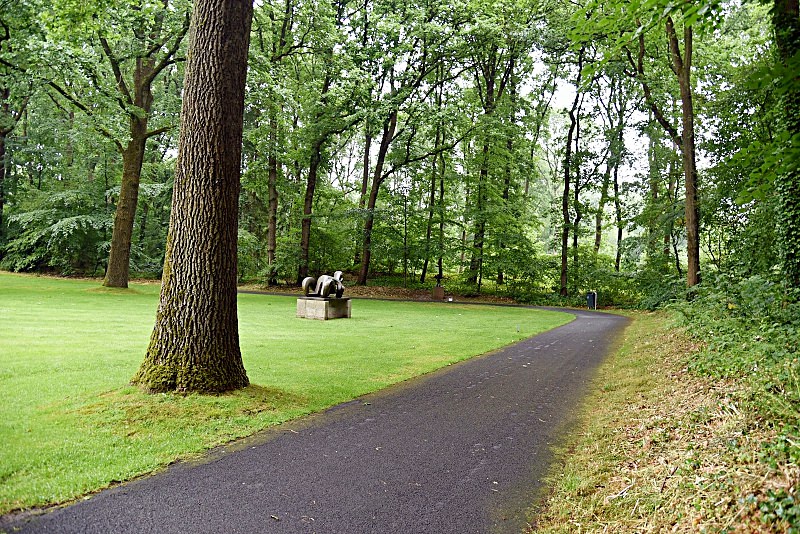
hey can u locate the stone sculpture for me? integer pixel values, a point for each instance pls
(324, 287)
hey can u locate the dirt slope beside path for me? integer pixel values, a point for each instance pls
(460, 450)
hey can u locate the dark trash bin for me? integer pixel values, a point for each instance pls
(591, 300)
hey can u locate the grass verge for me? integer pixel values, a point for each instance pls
(662, 449)
(70, 425)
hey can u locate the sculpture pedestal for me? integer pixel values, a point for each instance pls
(438, 293)
(322, 308)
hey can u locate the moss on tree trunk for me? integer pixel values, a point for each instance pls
(195, 342)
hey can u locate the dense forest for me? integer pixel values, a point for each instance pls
(532, 148)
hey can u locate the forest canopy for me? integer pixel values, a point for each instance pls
(534, 148)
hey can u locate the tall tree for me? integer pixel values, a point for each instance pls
(154, 32)
(568, 164)
(195, 341)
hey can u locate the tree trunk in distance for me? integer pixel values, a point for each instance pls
(362, 198)
(195, 342)
(308, 208)
(377, 179)
(564, 291)
(3, 136)
(118, 270)
(272, 210)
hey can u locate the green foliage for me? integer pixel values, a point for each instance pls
(62, 231)
(751, 327)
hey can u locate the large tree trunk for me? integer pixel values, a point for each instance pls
(195, 341)
(786, 21)
(389, 128)
(683, 68)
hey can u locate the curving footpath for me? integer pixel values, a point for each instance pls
(460, 450)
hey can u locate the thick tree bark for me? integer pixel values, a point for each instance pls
(389, 128)
(195, 341)
(683, 68)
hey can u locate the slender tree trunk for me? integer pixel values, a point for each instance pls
(479, 229)
(377, 179)
(683, 67)
(576, 193)
(501, 279)
(118, 270)
(3, 136)
(362, 198)
(8, 121)
(308, 206)
(272, 193)
(565, 229)
(618, 212)
(431, 207)
(440, 273)
(311, 184)
(601, 206)
(195, 341)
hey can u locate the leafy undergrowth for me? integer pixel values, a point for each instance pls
(665, 449)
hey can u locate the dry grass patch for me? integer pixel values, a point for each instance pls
(662, 449)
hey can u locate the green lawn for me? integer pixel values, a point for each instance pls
(70, 423)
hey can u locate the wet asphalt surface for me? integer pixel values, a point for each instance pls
(461, 450)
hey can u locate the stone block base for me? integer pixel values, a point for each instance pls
(323, 309)
(438, 293)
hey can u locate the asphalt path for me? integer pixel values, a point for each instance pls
(461, 450)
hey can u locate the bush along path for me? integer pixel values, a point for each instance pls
(459, 450)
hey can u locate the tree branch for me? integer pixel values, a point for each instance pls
(123, 88)
(78, 104)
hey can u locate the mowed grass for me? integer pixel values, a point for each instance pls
(70, 424)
